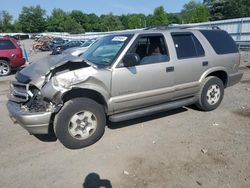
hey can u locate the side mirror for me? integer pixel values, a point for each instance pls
(130, 60)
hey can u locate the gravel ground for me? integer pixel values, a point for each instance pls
(180, 148)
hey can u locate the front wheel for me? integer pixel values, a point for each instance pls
(80, 123)
(5, 68)
(211, 94)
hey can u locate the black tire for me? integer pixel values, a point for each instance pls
(7, 68)
(204, 102)
(63, 119)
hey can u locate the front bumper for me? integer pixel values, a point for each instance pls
(34, 123)
(234, 78)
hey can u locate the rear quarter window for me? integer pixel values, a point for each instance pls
(187, 46)
(6, 45)
(221, 41)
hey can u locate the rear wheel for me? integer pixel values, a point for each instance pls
(80, 123)
(211, 94)
(5, 68)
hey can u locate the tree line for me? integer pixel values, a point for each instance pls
(33, 19)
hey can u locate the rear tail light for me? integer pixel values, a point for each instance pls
(19, 53)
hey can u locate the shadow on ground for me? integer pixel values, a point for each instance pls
(93, 180)
(46, 137)
(118, 125)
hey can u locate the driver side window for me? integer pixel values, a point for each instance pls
(151, 49)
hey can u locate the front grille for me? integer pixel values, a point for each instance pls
(19, 92)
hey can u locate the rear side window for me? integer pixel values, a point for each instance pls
(187, 45)
(221, 41)
(6, 45)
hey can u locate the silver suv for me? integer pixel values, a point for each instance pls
(123, 76)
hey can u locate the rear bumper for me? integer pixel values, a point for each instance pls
(234, 78)
(18, 63)
(34, 123)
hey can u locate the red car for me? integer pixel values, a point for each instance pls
(11, 56)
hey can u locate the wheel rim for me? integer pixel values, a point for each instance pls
(4, 69)
(82, 125)
(213, 94)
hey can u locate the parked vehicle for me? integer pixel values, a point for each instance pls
(121, 77)
(11, 56)
(77, 51)
(58, 49)
(57, 42)
(43, 44)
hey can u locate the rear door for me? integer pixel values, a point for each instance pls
(190, 63)
(149, 82)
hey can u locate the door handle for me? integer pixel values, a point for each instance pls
(13, 55)
(170, 69)
(205, 63)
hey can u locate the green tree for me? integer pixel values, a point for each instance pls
(6, 22)
(111, 23)
(194, 12)
(136, 21)
(124, 20)
(60, 21)
(94, 23)
(55, 22)
(81, 18)
(159, 17)
(149, 20)
(71, 26)
(228, 9)
(174, 18)
(17, 27)
(32, 19)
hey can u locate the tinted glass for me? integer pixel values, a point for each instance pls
(6, 45)
(199, 49)
(221, 41)
(187, 46)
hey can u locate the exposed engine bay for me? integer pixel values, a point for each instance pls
(27, 92)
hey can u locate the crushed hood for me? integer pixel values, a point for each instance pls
(76, 51)
(36, 72)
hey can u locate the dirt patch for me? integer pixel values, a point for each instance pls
(145, 173)
(244, 68)
(4, 92)
(245, 81)
(4, 82)
(244, 112)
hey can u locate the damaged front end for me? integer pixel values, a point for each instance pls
(29, 109)
(35, 95)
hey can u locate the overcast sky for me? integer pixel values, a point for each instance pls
(98, 7)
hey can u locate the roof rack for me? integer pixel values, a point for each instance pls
(167, 27)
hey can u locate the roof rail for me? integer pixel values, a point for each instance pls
(167, 27)
(160, 27)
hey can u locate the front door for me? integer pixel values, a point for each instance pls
(148, 83)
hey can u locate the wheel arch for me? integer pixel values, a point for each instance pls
(219, 72)
(84, 92)
(5, 59)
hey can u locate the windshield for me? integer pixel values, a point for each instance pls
(104, 51)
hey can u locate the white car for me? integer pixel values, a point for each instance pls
(77, 51)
